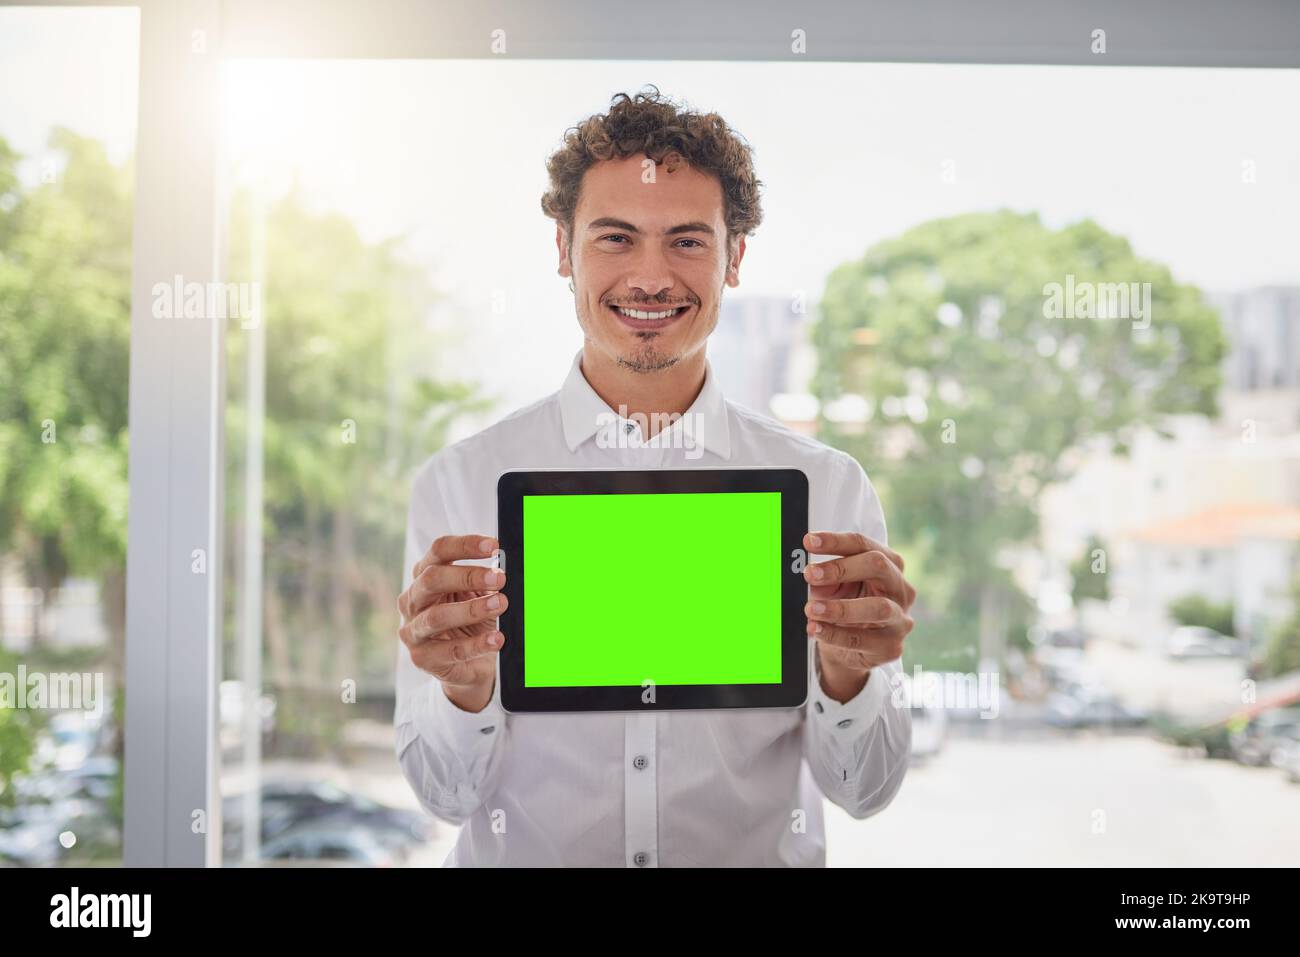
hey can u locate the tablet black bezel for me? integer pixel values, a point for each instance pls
(792, 692)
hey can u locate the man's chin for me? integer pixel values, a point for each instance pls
(647, 361)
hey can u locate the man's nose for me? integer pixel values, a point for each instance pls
(650, 273)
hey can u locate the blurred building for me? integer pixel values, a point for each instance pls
(1244, 554)
(69, 616)
(1194, 511)
(758, 350)
(1263, 326)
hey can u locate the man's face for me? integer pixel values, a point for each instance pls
(653, 247)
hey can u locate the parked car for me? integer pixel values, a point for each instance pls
(71, 738)
(95, 779)
(1066, 638)
(1089, 705)
(1287, 757)
(289, 806)
(1063, 666)
(1196, 641)
(1264, 734)
(325, 842)
(30, 835)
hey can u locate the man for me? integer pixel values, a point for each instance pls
(652, 205)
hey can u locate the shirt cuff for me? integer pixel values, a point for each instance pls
(440, 721)
(847, 720)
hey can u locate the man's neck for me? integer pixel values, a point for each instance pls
(666, 391)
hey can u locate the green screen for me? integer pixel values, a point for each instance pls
(677, 588)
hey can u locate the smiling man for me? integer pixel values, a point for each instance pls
(652, 205)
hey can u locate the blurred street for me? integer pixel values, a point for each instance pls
(1031, 802)
(1029, 799)
(1018, 792)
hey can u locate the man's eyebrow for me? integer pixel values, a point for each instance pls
(608, 222)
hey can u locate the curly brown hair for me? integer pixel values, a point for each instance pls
(651, 124)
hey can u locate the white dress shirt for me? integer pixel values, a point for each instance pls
(678, 789)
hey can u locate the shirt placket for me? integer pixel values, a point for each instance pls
(643, 454)
(640, 792)
(640, 760)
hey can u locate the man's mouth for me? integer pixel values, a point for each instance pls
(655, 317)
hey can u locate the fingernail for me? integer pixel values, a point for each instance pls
(494, 639)
(485, 546)
(494, 603)
(816, 627)
(815, 541)
(818, 607)
(816, 573)
(493, 578)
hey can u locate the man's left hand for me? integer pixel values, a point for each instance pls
(858, 609)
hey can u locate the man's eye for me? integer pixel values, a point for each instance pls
(696, 244)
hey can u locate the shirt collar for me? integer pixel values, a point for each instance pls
(584, 413)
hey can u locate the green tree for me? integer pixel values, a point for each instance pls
(1200, 611)
(1282, 656)
(1090, 573)
(18, 727)
(65, 273)
(350, 411)
(977, 400)
(347, 338)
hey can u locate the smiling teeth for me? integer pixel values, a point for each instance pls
(639, 314)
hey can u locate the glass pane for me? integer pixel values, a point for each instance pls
(1054, 311)
(68, 95)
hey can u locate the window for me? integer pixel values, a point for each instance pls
(911, 278)
(66, 204)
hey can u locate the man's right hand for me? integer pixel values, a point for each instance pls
(447, 618)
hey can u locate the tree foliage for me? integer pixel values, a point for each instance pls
(348, 338)
(1199, 610)
(977, 400)
(65, 276)
(1090, 573)
(1282, 653)
(351, 407)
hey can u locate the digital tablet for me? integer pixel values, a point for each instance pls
(653, 590)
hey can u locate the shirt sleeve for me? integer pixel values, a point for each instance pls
(858, 750)
(448, 755)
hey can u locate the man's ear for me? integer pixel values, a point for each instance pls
(735, 254)
(562, 245)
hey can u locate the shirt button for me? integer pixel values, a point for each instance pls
(630, 426)
(640, 762)
(640, 858)
(845, 723)
(818, 706)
